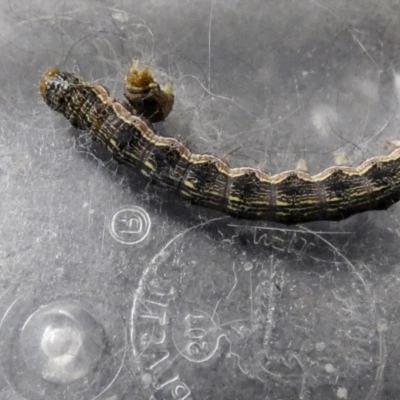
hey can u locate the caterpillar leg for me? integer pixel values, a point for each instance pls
(393, 144)
(147, 97)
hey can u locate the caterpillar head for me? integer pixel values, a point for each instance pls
(54, 85)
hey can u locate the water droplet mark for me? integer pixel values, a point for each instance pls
(61, 342)
(73, 345)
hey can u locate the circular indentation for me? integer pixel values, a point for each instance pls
(61, 342)
(120, 17)
(320, 346)
(248, 266)
(130, 225)
(329, 368)
(68, 348)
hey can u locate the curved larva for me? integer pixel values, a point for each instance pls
(289, 197)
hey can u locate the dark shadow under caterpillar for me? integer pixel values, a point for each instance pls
(289, 197)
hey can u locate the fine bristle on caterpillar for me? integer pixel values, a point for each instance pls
(289, 197)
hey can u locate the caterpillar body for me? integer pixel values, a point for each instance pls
(289, 197)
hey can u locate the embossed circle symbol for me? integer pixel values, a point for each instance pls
(130, 225)
(61, 342)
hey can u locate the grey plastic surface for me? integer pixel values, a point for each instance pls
(111, 288)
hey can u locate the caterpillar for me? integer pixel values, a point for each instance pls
(290, 197)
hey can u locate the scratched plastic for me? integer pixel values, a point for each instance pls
(112, 288)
